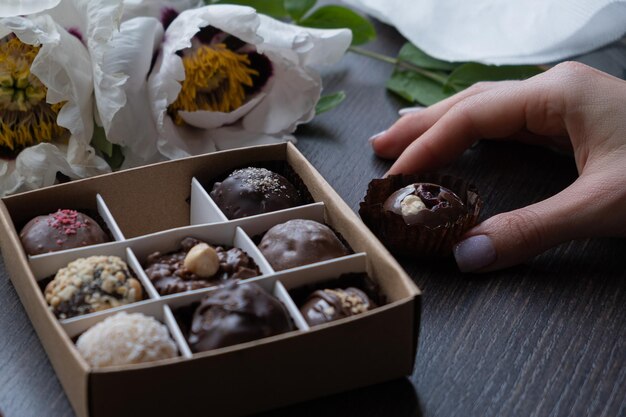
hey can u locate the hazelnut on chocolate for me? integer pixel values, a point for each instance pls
(202, 260)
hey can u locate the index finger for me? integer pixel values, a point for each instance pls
(495, 113)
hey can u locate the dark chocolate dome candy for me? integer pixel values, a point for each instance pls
(64, 229)
(328, 305)
(300, 242)
(236, 314)
(250, 191)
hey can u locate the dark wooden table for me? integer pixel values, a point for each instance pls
(543, 339)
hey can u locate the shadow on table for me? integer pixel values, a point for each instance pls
(395, 399)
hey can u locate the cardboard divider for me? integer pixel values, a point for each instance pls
(255, 225)
(46, 265)
(176, 333)
(281, 293)
(244, 242)
(203, 209)
(106, 215)
(134, 263)
(76, 325)
(298, 277)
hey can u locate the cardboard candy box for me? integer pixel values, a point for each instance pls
(152, 208)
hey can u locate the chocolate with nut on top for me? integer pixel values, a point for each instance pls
(250, 191)
(191, 269)
(63, 229)
(426, 204)
(324, 306)
(236, 314)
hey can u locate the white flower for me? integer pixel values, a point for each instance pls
(224, 77)
(46, 95)
(10, 8)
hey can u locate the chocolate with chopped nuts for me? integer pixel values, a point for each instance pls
(169, 274)
(251, 191)
(324, 306)
(91, 284)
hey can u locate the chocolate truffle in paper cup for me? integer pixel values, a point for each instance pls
(420, 215)
(124, 339)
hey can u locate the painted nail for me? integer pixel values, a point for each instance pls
(376, 136)
(474, 253)
(409, 110)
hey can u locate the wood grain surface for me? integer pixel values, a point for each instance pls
(543, 339)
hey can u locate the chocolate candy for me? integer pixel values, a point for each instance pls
(250, 191)
(64, 229)
(327, 305)
(300, 242)
(123, 339)
(91, 284)
(236, 314)
(426, 204)
(169, 274)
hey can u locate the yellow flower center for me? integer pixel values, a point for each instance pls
(215, 80)
(25, 117)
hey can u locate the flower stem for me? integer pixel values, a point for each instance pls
(439, 78)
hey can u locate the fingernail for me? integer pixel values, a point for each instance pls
(376, 136)
(474, 253)
(408, 110)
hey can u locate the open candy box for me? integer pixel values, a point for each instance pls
(149, 214)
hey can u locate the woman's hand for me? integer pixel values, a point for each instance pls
(571, 106)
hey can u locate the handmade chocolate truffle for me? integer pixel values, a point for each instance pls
(327, 305)
(91, 284)
(420, 215)
(64, 229)
(124, 339)
(236, 314)
(300, 242)
(426, 204)
(198, 265)
(250, 191)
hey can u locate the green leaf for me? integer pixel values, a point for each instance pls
(329, 102)
(416, 87)
(116, 159)
(298, 8)
(472, 72)
(100, 143)
(273, 8)
(413, 55)
(334, 17)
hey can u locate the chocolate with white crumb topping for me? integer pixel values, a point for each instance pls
(251, 191)
(327, 305)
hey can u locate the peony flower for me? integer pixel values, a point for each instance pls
(46, 105)
(10, 8)
(224, 76)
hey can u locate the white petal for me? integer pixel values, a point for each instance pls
(214, 119)
(291, 95)
(131, 51)
(182, 141)
(312, 46)
(235, 137)
(10, 8)
(155, 8)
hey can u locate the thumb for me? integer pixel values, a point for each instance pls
(511, 238)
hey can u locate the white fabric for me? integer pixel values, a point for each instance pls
(503, 31)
